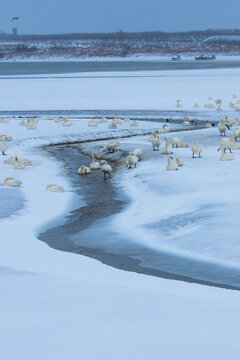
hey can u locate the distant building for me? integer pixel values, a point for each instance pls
(14, 31)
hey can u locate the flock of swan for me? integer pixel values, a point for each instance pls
(217, 103)
(226, 143)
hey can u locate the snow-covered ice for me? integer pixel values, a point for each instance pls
(58, 305)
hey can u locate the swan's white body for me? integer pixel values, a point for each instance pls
(222, 128)
(165, 129)
(54, 188)
(179, 161)
(179, 105)
(22, 123)
(167, 150)
(186, 123)
(106, 169)
(131, 160)
(151, 137)
(4, 120)
(230, 144)
(4, 146)
(172, 165)
(110, 147)
(138, 153)
(7, 138)
(134, 123)
(178, 143)
(12, 182)
(84, 170)
(113, 126)
(67, 123)
(94, 165)
(225, 157)
(156, 142)
(236, 133)
(196, 149)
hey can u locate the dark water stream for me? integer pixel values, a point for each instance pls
(86, 230)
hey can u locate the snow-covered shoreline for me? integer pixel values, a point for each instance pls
(56, 305)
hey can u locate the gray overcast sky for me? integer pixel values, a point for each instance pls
(66, 16)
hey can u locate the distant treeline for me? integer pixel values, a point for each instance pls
(120, 35)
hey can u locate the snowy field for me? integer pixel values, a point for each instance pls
(57, 305)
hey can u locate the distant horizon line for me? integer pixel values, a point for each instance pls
(226, 30)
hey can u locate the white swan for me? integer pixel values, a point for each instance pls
(167, 149)
(156, 142)
(131, 160)
(186, 122)
(12, 182)
(224, 156)
(106, 169)
(196, 149)
(84, 170)
(4, 120)
(179, 161)
(134, 123)
(67, 123)
(126, 120)
(236, 133)
(110, 147)
(179, 105)
(178, 143)
(6, 137)
(208, 125)
(151, 137)
(58, 120)
(112, 126)
(94, 165)
(22, 123)
(4, 146)
(222, 128)
(138, 153)
(165, 129)
(54, 188)
(172, 165)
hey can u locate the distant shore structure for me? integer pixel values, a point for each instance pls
(14, 29)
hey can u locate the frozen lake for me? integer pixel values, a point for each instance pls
(64, 67)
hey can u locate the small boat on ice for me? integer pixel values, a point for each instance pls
(204, 57)
(176, 58)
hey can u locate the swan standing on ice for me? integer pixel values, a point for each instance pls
(131, 160)
(134, 123)
(167, 150)
(94, 165)
(113, 126)
(156, 143)
(222, 128)
(196, 149)
(138, 153)
(84, 170)
(208, 125)
(186, 121)
(106, 169)
(4, 120)
(172, 165)
(224, 156)
(4, 146)
(179, 161)
(12, 182)
(54, 188)
(110, 147)
(179, 105)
